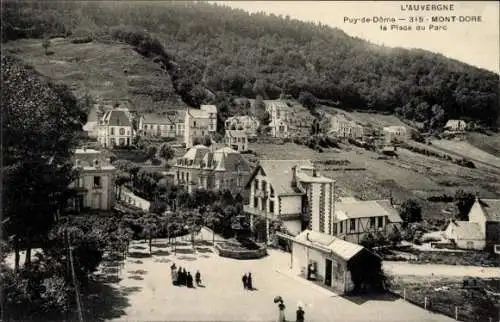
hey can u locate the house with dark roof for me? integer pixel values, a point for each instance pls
(95, 183)
(333, 263)
(486, 213)
(291, 191)
(115, 128)
(201, 167)
(353, 220)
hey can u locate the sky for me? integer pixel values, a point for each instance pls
(473, 43)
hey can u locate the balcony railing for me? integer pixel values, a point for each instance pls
(258, 212)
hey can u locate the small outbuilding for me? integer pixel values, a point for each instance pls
(335, 263)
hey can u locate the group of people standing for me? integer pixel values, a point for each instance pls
(180, 277)
(247, 281)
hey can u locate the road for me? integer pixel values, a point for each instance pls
(403, 268)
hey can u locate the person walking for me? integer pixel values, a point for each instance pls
(198, 278)
(249, 282)
(300, 314)
(244, 280)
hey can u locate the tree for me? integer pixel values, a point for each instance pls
(151, 152)
(395, 236)
(46, 45)
(166, 151)
(213, 218)
(410, 212)
(37, 168)
(463, 201)
(308, 100)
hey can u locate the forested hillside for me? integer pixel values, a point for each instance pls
(208, 49)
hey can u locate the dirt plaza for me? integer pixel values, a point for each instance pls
(148, 294)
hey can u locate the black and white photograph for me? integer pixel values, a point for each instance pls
(257, 161)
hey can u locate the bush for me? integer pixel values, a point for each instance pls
(155, 161)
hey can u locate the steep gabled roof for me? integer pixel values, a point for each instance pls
(491, 208)
(117, 118)
(392, 213)
(279, 174)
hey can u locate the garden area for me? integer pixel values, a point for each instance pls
(455, 297)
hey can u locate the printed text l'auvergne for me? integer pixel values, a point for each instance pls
(428, 7)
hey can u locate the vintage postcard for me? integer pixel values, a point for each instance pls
(250, 161)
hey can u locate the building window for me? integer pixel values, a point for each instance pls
(255, 202)
(341, 227)
(112, 131)
(271, 191)
(97, 182)
(334, 228)
(372, 222)
(122, 131)
(271, 206)
(264, 204)
(352, 225)
(194, 123)
(263, 185)
(380, 222)
(256, 184)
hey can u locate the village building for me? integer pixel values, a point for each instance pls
(344, 128)
(354, 220)
(156, 125)
(291, 191)
(198, 123)
(334, 263)
(395, 133)
(115, 128)
(246, 123)
(203, 168)
(455, 126)
(486, 213)
(278, 129)
(277, 109)
(236, 140)
(465, 235)
(95, 183)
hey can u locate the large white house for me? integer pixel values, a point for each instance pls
(115, 128)
(344, 128)
(198, 123)
(292, 191)
(95, 181)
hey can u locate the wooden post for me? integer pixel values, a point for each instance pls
(456, 313)
(425, 302)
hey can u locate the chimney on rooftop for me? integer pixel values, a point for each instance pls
(294, 176)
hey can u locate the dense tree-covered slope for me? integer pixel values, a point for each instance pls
(205, 46)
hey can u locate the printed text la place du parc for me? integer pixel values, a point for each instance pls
(419, 18)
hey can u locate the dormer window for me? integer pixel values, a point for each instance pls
(96, 163)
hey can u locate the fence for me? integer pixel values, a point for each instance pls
(431, 304)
